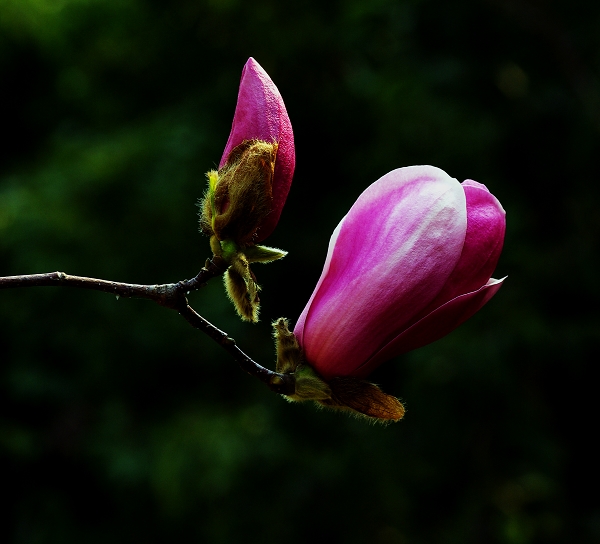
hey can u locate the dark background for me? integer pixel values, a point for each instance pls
(121, 423)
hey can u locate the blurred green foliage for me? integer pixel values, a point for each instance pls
(121, 423)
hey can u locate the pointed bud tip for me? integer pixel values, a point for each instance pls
(261, 114)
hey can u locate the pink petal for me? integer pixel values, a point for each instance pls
(486, 225)
(434, 326)
(388, 259)
(260, 114)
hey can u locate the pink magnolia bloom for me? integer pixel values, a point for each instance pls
(409, 263)
(260, 114)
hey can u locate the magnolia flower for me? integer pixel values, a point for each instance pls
(260, 115)
(246, 195)
(409, 263)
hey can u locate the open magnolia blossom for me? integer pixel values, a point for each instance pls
(246, 195)
(409, 263)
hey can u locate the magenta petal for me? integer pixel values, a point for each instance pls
(388, 259)
(260, 114)
(486, 225)
(434, 326)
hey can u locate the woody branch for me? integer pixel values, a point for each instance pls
(169, 295)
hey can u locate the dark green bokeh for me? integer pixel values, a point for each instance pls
(121, 423)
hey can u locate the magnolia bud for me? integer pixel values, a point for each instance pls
(245, 196)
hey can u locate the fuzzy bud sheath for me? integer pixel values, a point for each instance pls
(245, 196)
(409, 263)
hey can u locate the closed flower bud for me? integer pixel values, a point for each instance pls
(409, 263)
(260, 114)
(255, 173)
(244, 199)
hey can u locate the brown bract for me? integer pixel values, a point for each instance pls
(362, 397)
(243, 195)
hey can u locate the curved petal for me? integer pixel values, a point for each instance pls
(299, 328)
(486, 225)
(260, 114)
(434, 326)
(388, 259)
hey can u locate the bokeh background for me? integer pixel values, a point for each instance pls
(121, 423)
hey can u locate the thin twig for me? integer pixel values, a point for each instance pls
(275, 381)
(170, 295)
(166, 294)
